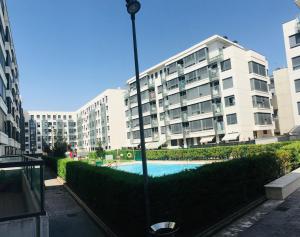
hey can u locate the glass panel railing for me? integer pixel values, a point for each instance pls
(21, 187)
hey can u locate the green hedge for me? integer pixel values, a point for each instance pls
(52, 162)
(194, 199)
(218, 152)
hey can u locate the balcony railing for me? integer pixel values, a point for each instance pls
(21, 187)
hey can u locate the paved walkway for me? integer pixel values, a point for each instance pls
(271, 219)
(66, 217)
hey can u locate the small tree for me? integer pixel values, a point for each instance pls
(60, 148)
(99, 150)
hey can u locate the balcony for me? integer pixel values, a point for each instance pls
(181, 85)
(213, 75)
(184, 116)
(220, 127)
(216, 58)
(22, 197)
(216, 92)
(217, 108)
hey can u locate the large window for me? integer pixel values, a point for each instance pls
(145, 95)
(227, 83)
(172, 68)
(200, 108)
(295, 40)
(176, 128)
(259, 85)
(175, 113)
(257, 68)
(296, 63)
(189, 60)
(146, 107)
(172, 84)
(226, 65)
(261, 102)
(199, 74)
(297, 85)
(199, 91)
(229, 101)
(174, 99)
(262, 118)
(203, 124)
(231, 119)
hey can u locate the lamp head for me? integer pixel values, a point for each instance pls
(133, 6)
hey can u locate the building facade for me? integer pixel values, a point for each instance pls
(282, 102)
(11, 112)
(216, 91)
(102, 122)
(291, 32)
(44, 128)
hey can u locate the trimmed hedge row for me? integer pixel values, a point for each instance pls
(218, 152)
(52, 162)
(194, 199)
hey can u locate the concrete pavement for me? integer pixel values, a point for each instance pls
(66, 217)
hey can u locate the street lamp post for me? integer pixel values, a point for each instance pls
(133, 6)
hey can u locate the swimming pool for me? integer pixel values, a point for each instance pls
(157, 169)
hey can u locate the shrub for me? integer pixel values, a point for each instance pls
(52, 162)
(194, 199)
(92, 155)
(61, 167)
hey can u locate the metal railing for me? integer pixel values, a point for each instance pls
(22, 179)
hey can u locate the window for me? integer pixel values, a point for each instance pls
(172, 84)
(298, 105)
(296, 63)
(199, 91)
(262, 118)
(145, 107)
(259, 85)
(226, 65)
(201, 55)
(174, 99)
(163, 130)
(176, 128)
(227, 83)
(159, 89)
(200, 108)
(189, 60)
(161, 103)
(257, 68)
(295, 40)
(231, 119)
(297, 85)
(229, 101)
(175, 113)
(260, 102)
(172, 68)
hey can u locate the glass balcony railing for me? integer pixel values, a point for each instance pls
(216, 91)
(21, 187)
(213, 75)
(220, 127)
(218, 109)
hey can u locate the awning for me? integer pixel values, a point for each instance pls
(230, 137)
(207, 139)
(153, 145)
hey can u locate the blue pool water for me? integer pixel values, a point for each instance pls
(158, 169)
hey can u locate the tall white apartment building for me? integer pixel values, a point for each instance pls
(214, 91)
(11, 113)
(44, 128)
(291, 31)
(102, 120)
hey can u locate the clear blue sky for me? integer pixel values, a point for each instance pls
(68, 51)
